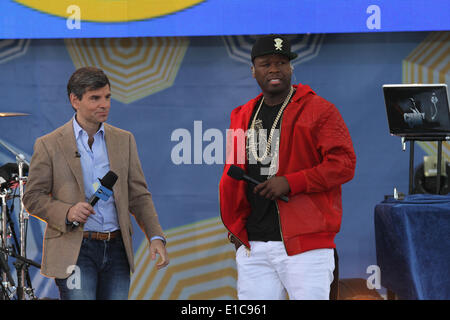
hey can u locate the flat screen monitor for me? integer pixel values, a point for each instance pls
(417, 110)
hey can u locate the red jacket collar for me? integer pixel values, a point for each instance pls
(245, 111)
(301, 90)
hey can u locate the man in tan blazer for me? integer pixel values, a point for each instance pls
(92, 260)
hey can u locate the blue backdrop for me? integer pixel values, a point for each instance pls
(209, 79)
(125, 18)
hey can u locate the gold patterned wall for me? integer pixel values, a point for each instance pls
(136, 67)
(202, 265)
(429, 62)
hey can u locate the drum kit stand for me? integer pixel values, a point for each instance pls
(14, 177)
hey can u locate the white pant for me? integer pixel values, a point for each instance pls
(267, 272)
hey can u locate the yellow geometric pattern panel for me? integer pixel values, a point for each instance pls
(430, 63)
(202, 266)
(112, 10)
(136, 67)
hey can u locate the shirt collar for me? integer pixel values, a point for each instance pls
(77, 129)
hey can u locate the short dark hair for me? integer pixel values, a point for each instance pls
(86, 79)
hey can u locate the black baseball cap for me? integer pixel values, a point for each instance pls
(272, 44)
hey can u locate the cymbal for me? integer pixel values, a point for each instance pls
(12, 114)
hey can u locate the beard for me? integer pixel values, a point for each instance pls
(281, 90)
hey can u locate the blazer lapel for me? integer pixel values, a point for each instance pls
(113, 145)
(68, 146)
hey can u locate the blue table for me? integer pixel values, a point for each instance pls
(413, 246)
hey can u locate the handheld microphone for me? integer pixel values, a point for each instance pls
(103, 192)
(239, 174)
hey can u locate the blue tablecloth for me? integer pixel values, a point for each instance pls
(413, 246)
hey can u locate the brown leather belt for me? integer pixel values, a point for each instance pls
(101, 235)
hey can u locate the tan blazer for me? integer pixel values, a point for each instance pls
(55, 183)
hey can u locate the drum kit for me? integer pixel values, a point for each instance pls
(12, 179)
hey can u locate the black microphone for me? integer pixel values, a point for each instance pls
(239, 174)
(77, 154)
(103, 192)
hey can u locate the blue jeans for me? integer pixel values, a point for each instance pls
(102, 272)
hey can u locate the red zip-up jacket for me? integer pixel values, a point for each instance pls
(315, 155)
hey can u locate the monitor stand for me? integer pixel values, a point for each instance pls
(412, 141)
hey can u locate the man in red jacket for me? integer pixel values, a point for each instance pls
(299, 146)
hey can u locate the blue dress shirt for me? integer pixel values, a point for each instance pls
(95, 164)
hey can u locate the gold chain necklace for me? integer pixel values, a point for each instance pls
(252, 141)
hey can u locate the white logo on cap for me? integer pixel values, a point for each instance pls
(278, 43)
